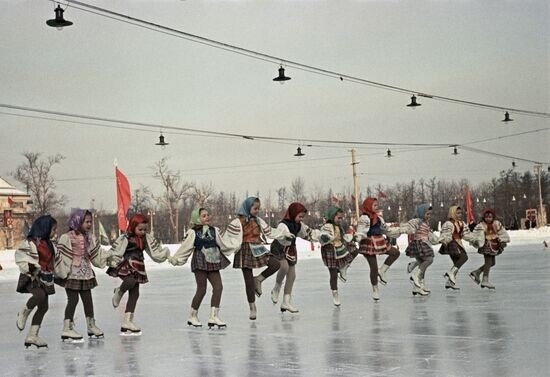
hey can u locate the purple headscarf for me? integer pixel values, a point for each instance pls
(76, 219)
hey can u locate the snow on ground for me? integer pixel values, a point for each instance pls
(472, 332)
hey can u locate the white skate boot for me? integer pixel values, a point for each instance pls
(117, 296)
(485, 283)
(69, 334)
(476, 276)
(451, 275)
(33, 339)
(93, 331)
(275, 293)
(128, 327)
(258, 284)
(253, 312)
(419, 291)
(22, 318)
(193, 319)
(411, 266)
(375, 293)
(214, 320)
(335, 298)
(382, 274)
(415, 280)
(343, 273)
(286, 305)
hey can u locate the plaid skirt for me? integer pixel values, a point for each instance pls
(198, 262)
(374, 245)
(244, 258)
(79, 285)
(420, 249)
(328, 254)
(26, 283)
(281, 252)
(453, 249)
(130, 267)
(491, 249)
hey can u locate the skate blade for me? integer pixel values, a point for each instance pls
(218, 327)
(30, 345)
(130, 333)
(290, 311)
(192, 325)
(96, 337)
(72, 341)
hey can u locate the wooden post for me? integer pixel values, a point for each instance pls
(355, 184)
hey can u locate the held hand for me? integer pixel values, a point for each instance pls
(348, 238)
(173, 261)
(324, 238)
(289, 236)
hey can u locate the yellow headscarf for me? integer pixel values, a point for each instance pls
(452, 213)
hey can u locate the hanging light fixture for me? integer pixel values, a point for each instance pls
(413, 103)
(161, 142)
(455, 151)
(513, 198)
(281, 78)
(507, 117)
(389, 208)
(58, 22)
(441, 205)
(524, 196)
(513, 164)
(299, 152)
(388, 154)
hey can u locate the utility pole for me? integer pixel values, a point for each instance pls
(355, 185)
(541, 221)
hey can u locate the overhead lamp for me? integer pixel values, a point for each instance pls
(299, 152)
(413, 103)
(441, 205)
(507, 117)
(58, 22)
(455, 151)
(513, 164)
(477, 200)
(388, 154)
(281, 78)
(484, 200)
(161, 142)
(389, 208)
(524, 196)
(513, 198)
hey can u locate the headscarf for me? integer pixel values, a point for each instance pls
(76, 219)
(41, 229)
(452, 213)
(490, 226)
(132, 225)
(331, 213)
(367, 209)
(245, 208)
(293, 210)
(196, 220)
(420, 211)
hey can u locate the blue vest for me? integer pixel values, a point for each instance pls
(207, 240)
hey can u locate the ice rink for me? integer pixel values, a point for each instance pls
(471, 332)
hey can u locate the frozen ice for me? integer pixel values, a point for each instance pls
(471, 332)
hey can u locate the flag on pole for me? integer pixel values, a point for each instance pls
(469, 206)
(10, 201)
(103, 237)
(123, 198)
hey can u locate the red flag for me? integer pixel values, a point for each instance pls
(10, 201)
(382, 194)
(123, 198)
(469, 206)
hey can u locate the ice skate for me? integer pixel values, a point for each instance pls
(33, 339)
(415, 280)
(193, 319)
(450, 285)
(423, 286)
(419, 291)
(411, 266)
(69, 334)
(287, 306)
(476, 276)
(382, 274)
(335, 298)
(486, 284)
(117, 296)
(94, 332)
(22, 318)
(258, 284)
(214, 320)
(375, 293)
(451, 275)
(275, 293)
(253, 312)
(128, 328)
(343, 273)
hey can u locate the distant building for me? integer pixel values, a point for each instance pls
(14, 215)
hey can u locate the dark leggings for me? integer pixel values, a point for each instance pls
(490, 261)
(459, 260)
(333, 272)
(40, 300)
(393, 254)
(215, 279)
(132, 286)
(272, 267)
(72, 301)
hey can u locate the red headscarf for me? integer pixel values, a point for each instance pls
(134, 222)
(490, 226)
(367, 209)
(294, 209)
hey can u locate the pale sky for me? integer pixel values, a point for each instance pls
(494, 52)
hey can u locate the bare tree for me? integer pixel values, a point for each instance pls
(174, 192)
(202, 194)
(298, 190)
(141, 200)
(35, 174)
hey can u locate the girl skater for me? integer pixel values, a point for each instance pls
(284, 249)
(370, 230)
(453, 231)
(78, 250)
(420, 248)
(130, 247)
(337, 249)
(250, 232)
(490, 238)
(209, 257)
(35, 258)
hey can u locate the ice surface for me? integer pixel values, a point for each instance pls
(472, 332)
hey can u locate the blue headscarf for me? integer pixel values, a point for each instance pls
(421, 210)
(245, 208)
(41, 228)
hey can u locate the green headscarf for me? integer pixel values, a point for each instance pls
(196, 220)
(331, 213)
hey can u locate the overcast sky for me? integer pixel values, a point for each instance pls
(495, 52)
